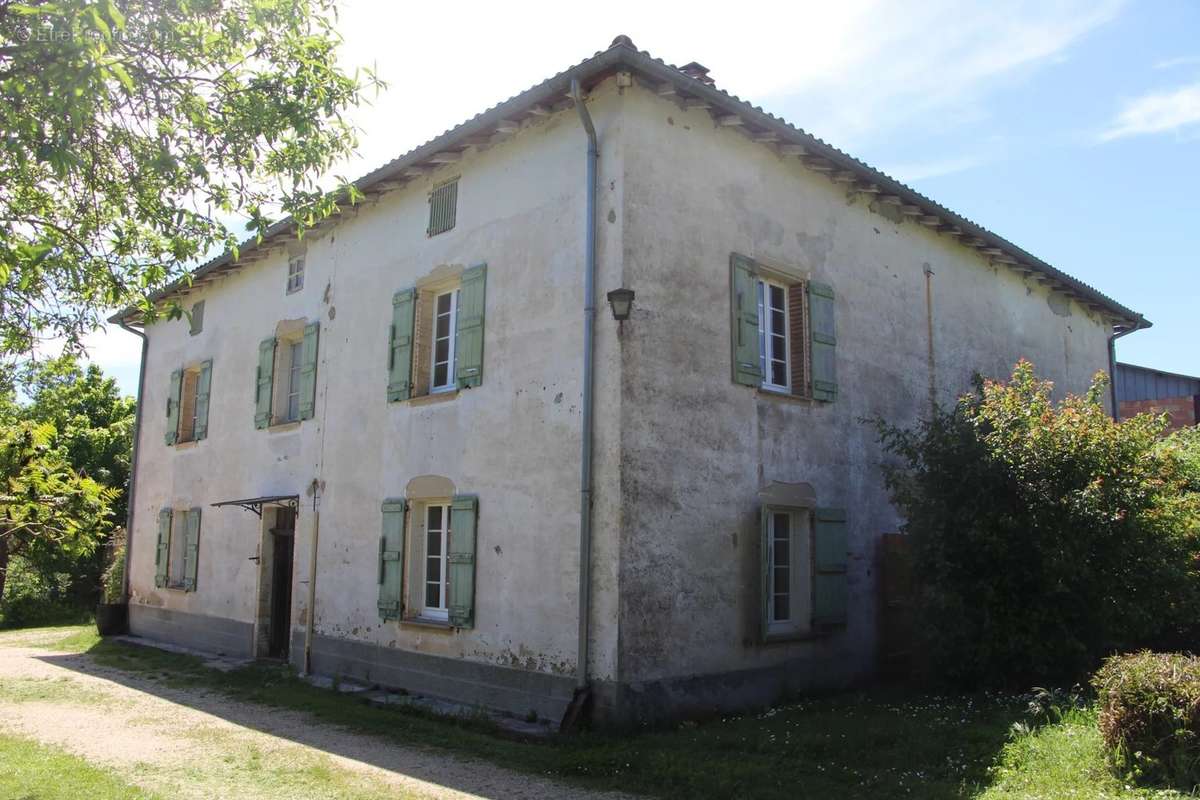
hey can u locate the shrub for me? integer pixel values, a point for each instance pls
(1044, 535)
(1150, 716)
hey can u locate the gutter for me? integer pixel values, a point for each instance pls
(585, 454)
(1138, 324)
(133, 459)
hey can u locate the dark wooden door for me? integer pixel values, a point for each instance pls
(281, 583)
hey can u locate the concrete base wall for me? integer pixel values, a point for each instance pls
(515, 691)
(212, 634)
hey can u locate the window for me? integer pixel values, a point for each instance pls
(286, 377)
(295, 274)
(444, 334)
(292, 402)
(443, 207)
(187, 403)
(773, 335)
(804, 570)
(197, 318)
(177, 556)
(437, 545)
(436, 343)
(783, 331)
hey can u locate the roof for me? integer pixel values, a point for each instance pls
(1145, 383)
(502, 120)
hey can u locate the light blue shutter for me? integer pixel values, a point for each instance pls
(263, 383)
(400, 345)
(191, 549)
(203, 387)
(468, 342)
(163, 548)
(824, 341)
(460, 561)
(743, 286)
(391, 559)
(172, 433)
(308, 370)
(830, 561)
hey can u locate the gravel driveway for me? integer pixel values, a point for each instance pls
(192, 743)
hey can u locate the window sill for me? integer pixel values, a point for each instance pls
(281, 427)
(188, 445)
(790, 637)
(775, 394)
(426, 622)
(433, 398)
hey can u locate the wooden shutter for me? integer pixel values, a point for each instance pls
(830, 556)
(764, 605)
(172, 433)
(308, 370)
(203, 386)
(823, 335)
(468, 341)
(263, 383)
(391, 559)
(191, 549)
(460, 561)
(744, 321)
(400, 345)
(443, 207)
(164, 543)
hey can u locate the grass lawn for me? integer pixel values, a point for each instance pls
(30, 771)
(867, 745)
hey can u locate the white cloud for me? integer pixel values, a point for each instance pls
(1181, 61)
(1170, 111)
(935, 168)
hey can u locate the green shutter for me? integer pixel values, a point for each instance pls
(263, 383)
(744, 321)
(824, 341)
(468, 340)
(164, 544)
(172, 433)
(830, 556)
(191, 549)
(400, 345)
(203, 386)
(391, 559)
(460, 559)
(308, 370)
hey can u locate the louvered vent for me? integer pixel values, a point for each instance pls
(443, 204)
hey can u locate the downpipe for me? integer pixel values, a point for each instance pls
(310, 622)
(133, 458)
(575, 710)
(1138, 325)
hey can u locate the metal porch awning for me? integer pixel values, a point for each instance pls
(256, 504)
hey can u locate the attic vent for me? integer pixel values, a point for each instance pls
(443, 205)
(698, 71)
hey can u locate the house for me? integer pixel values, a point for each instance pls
(1140, 390)
(414, 447)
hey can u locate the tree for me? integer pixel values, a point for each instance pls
(135, 131)
(46, 508)
(1044, 536)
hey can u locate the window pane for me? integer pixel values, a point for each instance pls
(776, 296)
(778, 373)
(440, 375)
(433, 569)
(782, 523)
(432, 595)
(781, 580)
(782, 556)
(435, 518)
(441, 351)
(782, 611)
(443, 304)
(778, 323)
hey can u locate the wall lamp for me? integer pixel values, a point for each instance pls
(621, 301)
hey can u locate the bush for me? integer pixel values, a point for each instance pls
(1044, 536)
(1150, 716)
(33, 599)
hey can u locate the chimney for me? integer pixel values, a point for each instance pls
(698, 71)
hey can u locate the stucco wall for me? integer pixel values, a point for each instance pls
(514, 441)
(697, 447)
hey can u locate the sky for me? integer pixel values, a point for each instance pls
(1069, 127)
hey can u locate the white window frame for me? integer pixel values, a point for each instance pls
(441, 612)
(295, 274)
(451, 383)
(799, 567)
(766, 346)
(295, 364)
